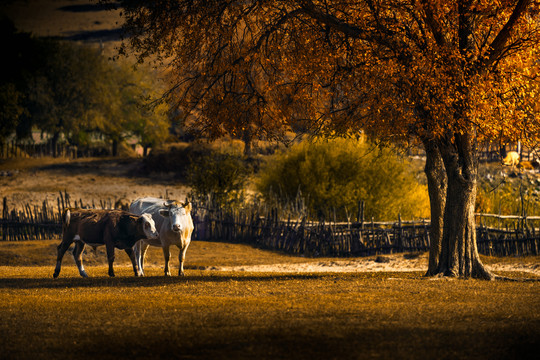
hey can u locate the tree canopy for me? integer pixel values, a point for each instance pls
(444, 74)
(399, 68)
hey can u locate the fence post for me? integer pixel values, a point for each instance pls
(361, 214)
(4, 218)
(400, 234)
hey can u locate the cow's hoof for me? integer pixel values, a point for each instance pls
(111, 275)
(55, 275)
(168, 274)
(181, 273)
(84, 275)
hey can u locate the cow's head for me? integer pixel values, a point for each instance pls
(178, 214)
(149, 226)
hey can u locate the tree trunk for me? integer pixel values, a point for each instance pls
(114, 147)
(459, 254)
(54, 143)
(437, 188)
(247, 138)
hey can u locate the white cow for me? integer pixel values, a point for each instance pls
(174, 224)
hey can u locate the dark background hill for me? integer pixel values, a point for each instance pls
(76, 20)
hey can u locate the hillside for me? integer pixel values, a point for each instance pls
(76, 20)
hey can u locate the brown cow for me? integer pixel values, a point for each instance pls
(112, 228)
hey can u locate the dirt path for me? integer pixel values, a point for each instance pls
(389, 263)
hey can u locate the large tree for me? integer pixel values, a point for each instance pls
(446, 74)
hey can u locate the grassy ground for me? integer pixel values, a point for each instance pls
(247, 315)
(229, 315)
(254, 315)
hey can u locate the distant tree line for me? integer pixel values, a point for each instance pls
(72, 92)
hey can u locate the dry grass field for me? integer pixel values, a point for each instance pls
(249, 315)
(214, 314)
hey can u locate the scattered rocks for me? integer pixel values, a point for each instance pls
(382, 260)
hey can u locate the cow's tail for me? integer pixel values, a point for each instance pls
(66, 218)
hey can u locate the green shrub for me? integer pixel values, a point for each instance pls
(171, 158)
(220, 174)
(180, 157)
(335, 175)
(210, 169)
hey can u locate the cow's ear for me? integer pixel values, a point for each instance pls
(140, 220)
(187, 206)
(164, 213)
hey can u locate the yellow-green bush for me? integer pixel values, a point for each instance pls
(338, 174)
(508, 197)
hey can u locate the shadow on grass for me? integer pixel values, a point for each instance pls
(114, 167)
(90, 165)
(96, 35)
(81, 8)
(147, 281)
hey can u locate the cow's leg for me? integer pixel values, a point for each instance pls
(182, 258)
(110, 256)
(137, 252)
(131, 255)
(61, 250)
(144, 248)
(167, 255)
(140, 253)
(77, 255)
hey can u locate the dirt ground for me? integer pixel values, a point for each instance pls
(32, 181)
(386, 263)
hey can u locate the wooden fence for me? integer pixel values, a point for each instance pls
(361, 238)
(508, 235)
(13, 149)
(311, 238)
(42, 222)
(267, 229)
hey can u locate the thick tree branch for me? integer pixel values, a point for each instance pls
(497, 47)
(379, 35)
(433, 25)
(339, 25)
